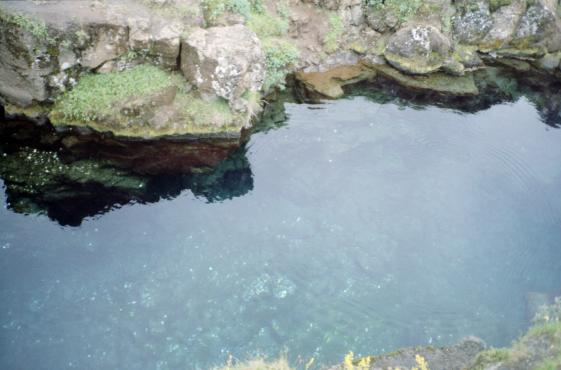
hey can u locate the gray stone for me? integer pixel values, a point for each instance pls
(106, 41)
(157, 39)
(505, 21)
(472, 22)
(418, 49)
(539, 27)
(25, 66)
(224, 62)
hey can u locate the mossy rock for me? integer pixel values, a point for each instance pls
(418, 49)
(145, 102)
(435, 82)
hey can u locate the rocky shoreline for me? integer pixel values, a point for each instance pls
(161, 68)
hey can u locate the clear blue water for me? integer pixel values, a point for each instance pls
(368, 227)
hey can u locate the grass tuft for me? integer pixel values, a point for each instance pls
(336, 28)
(280, 55)
(36, 27)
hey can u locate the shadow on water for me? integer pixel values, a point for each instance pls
(70, 176)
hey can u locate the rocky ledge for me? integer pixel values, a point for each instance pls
(200, 68)
(538, 349)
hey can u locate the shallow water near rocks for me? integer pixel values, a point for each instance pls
(368, 226)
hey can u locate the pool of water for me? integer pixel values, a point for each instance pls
(367, 226)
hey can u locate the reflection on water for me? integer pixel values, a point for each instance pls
(364, 224)
(70, 177)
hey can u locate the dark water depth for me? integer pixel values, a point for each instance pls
(352, 225)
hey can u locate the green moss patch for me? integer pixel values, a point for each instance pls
(333, 36)
(94, 95)
(489, 357)
(403, 9)
(264, 25)
(36, 27)
(145, 102)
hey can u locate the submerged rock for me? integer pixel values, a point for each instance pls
(435, 82)
(330, 84)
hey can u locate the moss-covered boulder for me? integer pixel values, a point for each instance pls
(418, 49)
(148, 102)
(540, 27)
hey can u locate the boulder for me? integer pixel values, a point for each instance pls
(105, 42)
(505, 21)
(549, 62)
(472, 22)
(159, 40)
(25, 65)
(539, 27)
(418, 49)
(225, 62)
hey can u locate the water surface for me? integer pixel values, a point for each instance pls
(368, 226)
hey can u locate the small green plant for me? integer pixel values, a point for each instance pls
(202, 113)
(283, 10)
(213, 9)
(403, 9)
(66, 44)
(131, 55)
(265, 25)
(81, 36)
(331, 40)
(36, 27)
(279, 55)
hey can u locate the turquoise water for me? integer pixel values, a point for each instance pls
(366, 226)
